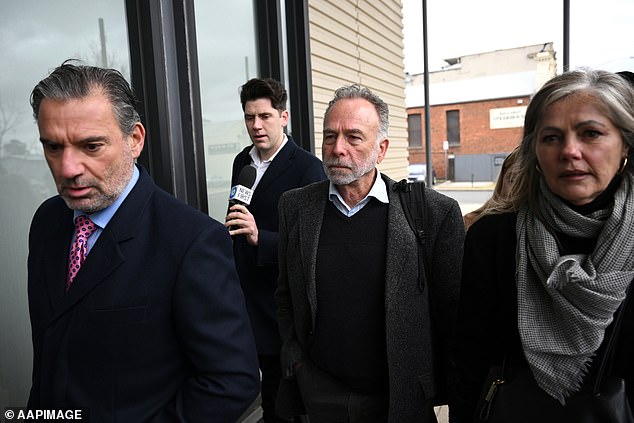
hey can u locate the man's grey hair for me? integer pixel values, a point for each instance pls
(357, 91)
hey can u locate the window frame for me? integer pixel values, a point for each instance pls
(453, 127)
(164, 73)
(415, 130)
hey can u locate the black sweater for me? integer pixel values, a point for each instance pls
(349, 340)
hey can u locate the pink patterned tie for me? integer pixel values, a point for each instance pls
(84, 227)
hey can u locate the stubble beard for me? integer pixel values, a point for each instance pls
(354, 171)
(105, 193)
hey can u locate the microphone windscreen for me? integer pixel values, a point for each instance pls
(246, 177)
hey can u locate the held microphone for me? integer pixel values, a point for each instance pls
(242, 192)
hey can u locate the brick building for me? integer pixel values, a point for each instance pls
(477, 107)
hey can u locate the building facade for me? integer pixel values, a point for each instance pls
(186, 60)
(476, 109)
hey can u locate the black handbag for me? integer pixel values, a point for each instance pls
(511, 395)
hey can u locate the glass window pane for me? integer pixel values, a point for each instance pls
(225, 34)
(453, 127)
(415, 130)
(35, 37)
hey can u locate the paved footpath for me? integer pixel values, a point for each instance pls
(448, 188)
(465, 186)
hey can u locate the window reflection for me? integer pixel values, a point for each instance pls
(225, 34)
(35, 37)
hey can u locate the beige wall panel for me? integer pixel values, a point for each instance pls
(333, 39)
(373, 74)
(374, 30)
(336, 28)
(382, 59)
(389, 9)
(380, 44)
(334, 9)
(391, 57)
(335, 70)
(338, 69)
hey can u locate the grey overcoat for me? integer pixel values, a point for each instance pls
(414, 318)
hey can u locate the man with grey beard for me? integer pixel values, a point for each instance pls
(136, 309)
(358, 326)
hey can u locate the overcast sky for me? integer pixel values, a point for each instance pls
(601, 32)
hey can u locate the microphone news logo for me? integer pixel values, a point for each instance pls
(240, 194)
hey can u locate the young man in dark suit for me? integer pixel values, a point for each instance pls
(143, 320)
(280, 165)
(359, 323)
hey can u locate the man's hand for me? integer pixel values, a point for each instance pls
(240, 221)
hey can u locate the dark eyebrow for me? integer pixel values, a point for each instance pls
(590, 122)
(258, 114)
(549, 128)
(86, 140)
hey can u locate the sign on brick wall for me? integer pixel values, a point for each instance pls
(507, 117)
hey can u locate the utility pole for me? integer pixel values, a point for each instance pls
(102, 38)
(566, 35)
(429, 177)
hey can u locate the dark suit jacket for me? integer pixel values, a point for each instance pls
(293, 167)
(487, 329)
(154, 326)
(412, 322)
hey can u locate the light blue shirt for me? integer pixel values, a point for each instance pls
(102, 217)
(378, 191)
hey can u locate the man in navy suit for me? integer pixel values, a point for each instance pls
(280, 165)
(153, 326)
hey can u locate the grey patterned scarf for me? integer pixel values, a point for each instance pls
(566, 302)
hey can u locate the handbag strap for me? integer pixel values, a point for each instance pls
(607, 354)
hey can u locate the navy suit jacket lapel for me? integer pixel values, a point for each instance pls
(58, 242)
(243, 159)
(106, 255)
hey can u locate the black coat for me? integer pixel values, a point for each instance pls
(293, 167)
(154, 327)
(487, 325)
